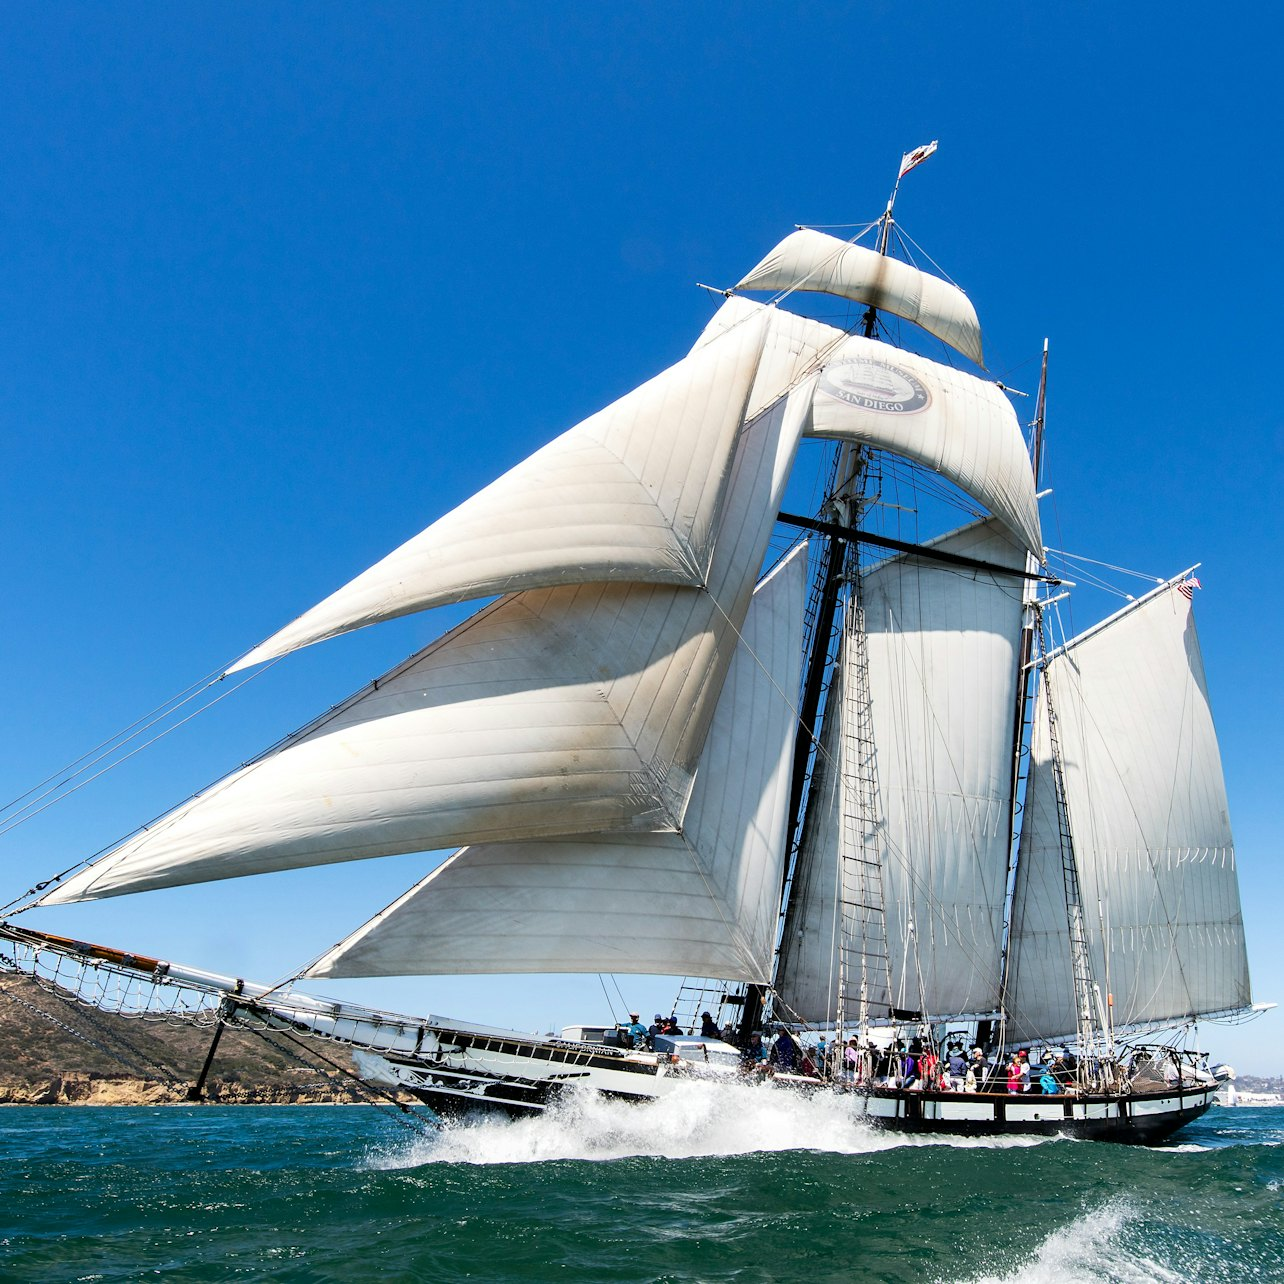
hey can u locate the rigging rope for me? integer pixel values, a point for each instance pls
(354, 1084)
(58, 793)
(80, 1036)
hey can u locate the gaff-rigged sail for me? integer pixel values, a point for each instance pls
(808, 260)
(1152, 841)
(551, 712)
(700, 902)
(872, 394)
(632, 494)
(941, 647)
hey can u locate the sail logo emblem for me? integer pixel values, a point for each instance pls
(875, 385)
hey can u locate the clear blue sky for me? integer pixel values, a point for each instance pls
(279, 285)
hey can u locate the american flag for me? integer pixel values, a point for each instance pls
(916, 157)
(1188, 586)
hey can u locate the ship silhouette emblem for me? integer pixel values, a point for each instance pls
(875, 385)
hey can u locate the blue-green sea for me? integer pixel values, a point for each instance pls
(746, 1185)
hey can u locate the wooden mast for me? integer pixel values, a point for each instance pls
(843, 503)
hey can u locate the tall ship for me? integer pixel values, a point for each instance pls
(867, 790)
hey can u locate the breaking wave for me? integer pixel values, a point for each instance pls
(1094, 1248)
(695, 1120)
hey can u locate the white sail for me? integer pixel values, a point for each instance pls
(953, 423)
(807, 975)
(941, 645)
(701, 902)
(872, 394)
(629, 495)
(793, 348)
(808, 260)
(1152, 841)
(551, 712)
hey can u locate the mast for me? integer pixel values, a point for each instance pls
(845, 505)
(1090, 1018)
(1025, 679)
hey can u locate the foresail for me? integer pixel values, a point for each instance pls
(630, 495)
(1152, 840)
(872, 394)
(549, 713)
(808, 260)
(700, 902)
(941, 648)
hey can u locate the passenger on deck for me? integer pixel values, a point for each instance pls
(785, 1052)
(978, 1070)
(955, 1067)
(909, 1068)
(851, 1059)
(929, 1069)
(634, 1033)
(1014, 1075)
(753, 1054)
(708, 1028)
(1048, 1082)
(656, 1027)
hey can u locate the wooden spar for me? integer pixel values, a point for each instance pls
(66, 945)
(197, 1091)
(853, 536)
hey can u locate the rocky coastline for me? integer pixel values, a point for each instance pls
(55, 1051)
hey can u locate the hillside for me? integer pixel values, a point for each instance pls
(55, 1051)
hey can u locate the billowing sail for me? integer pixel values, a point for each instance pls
(954, 423)
(1150, 827)
(701, 902)
(941, 646)
(551, 712)
(807, 260)
(630, 495)
(793, 348)
(826, 879)
(875, 395)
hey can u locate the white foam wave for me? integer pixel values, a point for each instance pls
(1092, 1249)
(694, 1120)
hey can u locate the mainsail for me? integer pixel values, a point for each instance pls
(1151, 834)
(700, 902)
(810, 260)
(941, 646)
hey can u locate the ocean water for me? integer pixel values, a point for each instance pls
(714, 1184)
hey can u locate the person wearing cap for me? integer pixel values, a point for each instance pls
(635, 1032)
(656, 1026)
(708, 1029)
(977, 1072)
